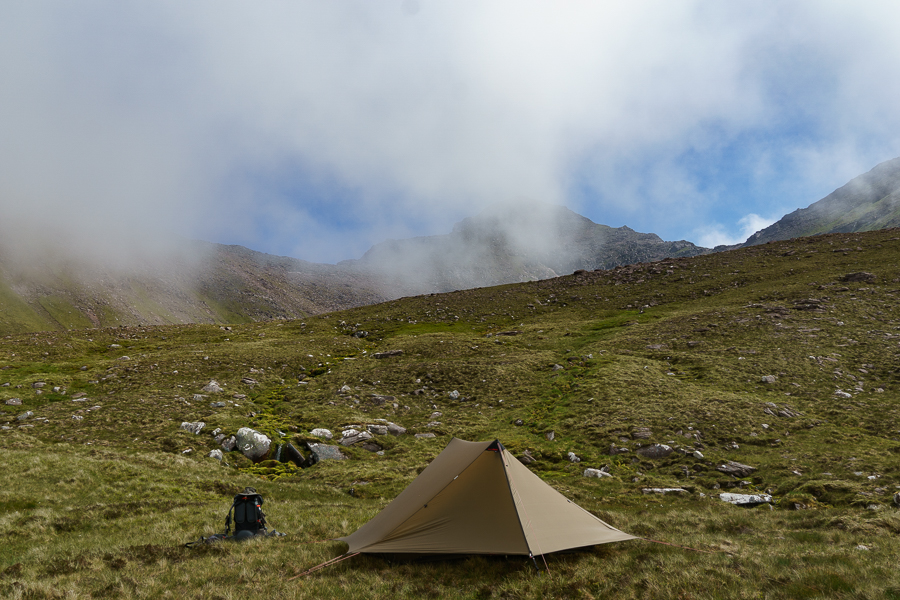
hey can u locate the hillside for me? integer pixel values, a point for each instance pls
(781, 357)
(198, 282)
(868, 202)
(510, 244)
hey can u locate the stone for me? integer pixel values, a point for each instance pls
(745, 499)
(897, 499)
(860, 276)
(518, 422)
(641, 433)
(550, 435)
(735, 468)
(696, 454)
(388, 354)
(395, 429)
(768, 379)
(377, 429)
(198, 398)
(557, 368)
(229, 444)
(664, 491)
(326, 452)
(216, 454)
(248, 381)
(217, 405)
(595, 473)
(345, 390)
(212, 387)
(424, 436)
(843, 394)
(14, 402)
(433, 424)
(527, 459)
(325, 434)
(371, 446)
(352, 436)
(288, 453)
(38, 385)
(654, 451)
(454, 395)
(195, 427)
(25, 415)
(573, 458)
(253, 444)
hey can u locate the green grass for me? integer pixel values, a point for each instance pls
(98, 506)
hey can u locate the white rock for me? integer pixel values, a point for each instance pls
(325, 434)
(743, 499)
(216, 454)
(596, 473)
(212, 387)
(253, 444)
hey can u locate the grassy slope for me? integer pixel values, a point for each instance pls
(97, 506)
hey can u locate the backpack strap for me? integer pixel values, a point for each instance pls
(228, 518)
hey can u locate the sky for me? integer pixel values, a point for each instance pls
(317, 129)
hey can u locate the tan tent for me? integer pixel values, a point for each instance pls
(476, 498)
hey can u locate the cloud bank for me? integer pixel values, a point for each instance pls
(318, 129)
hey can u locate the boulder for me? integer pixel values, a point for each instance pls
(377, 429)
(216, 454)
(325, 434)
(212, 387)
(228, 444)
(326, 452)
(253, 444)
(745, 499)
(664, 491)
(395, 429)
(352, 436)
(654, 451)
(194, 427)
(735, 468)
(596, 473)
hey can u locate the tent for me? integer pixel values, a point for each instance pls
(476, 498)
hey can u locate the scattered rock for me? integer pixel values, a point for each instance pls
(228, 444)
(572, 458)
(14, 402)
(641, 433)
(654, 451)
(768, 379)
(38, 385)
(424, 436)
(454, 395)
(557, 368)
(345, 390)
(745, 499)
(613, 450)
(550, 435)
(377, 429)
(735, 468)
(198, 398)
(194, 427)
(379, 400)
(897, 499)
(325, 434)
(527, 459)
(253, 444)
(861, 276)
(212, 387)
(216, 454)
(352, 436)
(388, 354)
(518, 422)
(371, 446)
(395, 429)
(249, 381)
(434, 424)
(25, 415)
(288, 453)
(595, 473)
(843, 394)
(664, 491)
(217, 405)
(696, 454)
(325, 452)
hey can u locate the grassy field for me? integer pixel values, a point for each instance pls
(770, 356)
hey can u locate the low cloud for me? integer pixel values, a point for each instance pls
(318, 129)
(719, 235)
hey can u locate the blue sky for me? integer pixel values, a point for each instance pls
(316, 129)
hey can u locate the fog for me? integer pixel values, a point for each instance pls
(317, 129)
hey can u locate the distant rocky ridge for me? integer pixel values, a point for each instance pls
(510, 245)
(867, 203)
(212, 283)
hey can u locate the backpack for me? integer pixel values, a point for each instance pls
(248, 514)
